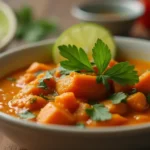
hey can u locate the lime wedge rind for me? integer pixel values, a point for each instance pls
(12, 24)
(83, 35)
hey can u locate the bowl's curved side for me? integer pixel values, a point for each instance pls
(54, 136)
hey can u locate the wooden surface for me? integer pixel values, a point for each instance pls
(59, 10)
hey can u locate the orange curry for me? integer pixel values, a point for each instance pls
(43, 94)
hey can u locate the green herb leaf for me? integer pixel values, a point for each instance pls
(118, 97)
(80, 125)
(42, 84)
(101, 55)
(64, 71)
(33, 100)
(123, 73)
(103, 79)
(99, 113)
(38, 30)
(77, 58)
(27, 115)
(133, 91)
(12, 79)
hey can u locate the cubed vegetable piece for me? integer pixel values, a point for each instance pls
(137, 102)
(33, 87)
(119, 88)
(28, 77)
(143, 84)
(67, 101)
(31, 102)
(82, 85)
(112, 63)
(115, 121)
(35, 67)
(120, 108)
(80, 113)
(53, 114)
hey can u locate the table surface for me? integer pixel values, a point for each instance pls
(49, 9)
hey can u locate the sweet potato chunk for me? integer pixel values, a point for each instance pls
(35, 67)
(116, 120)
(116, 108)
(53, 114)
(83, 86)
(28, 77)
(80, 113)
(31, 102)
(67, 101)
(34, 89)
(137, 102)
(119, 88)
(143, 84)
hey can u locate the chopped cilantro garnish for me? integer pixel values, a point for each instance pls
(80, 125)
(26, 115)
(33, 100)
(99, 112)
(118, 97)
(42, 84)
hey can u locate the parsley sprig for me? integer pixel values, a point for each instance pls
(99, 112)
(77, 60)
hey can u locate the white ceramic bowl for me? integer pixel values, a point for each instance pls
(50, 137)
(93, 12)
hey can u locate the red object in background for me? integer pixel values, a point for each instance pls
(145, 19)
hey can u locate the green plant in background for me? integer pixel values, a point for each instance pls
(32, 30)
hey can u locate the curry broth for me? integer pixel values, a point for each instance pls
(9, 88)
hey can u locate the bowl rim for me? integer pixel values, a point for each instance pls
(9, 13)
(78, 13)
(105, 131)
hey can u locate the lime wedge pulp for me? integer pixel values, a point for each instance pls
(8, 24)
(83, 35)
(4, 25)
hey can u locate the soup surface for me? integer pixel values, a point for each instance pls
(48, 94)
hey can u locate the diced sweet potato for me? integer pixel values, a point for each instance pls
(112, 63)
(119, 88)
(115, 121)
(35, 67)
(82, 85)
(80, 113)
(31, 102)
(34, 89)
(120, 108)
(28, 77)
(67, 101)
(141, 118)
(143, 84)
(53, 114)
(137, 102)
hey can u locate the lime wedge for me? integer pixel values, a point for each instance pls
(83, 35)
(7, 24)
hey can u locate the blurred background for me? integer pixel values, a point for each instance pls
(41, 19)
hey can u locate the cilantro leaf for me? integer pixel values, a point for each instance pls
(77, 58)
(80, 125)
(27, 115)
(101, 55)
(99, 113)
(118, 97)
(42, 84)
(123, 73)
(64, 71)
